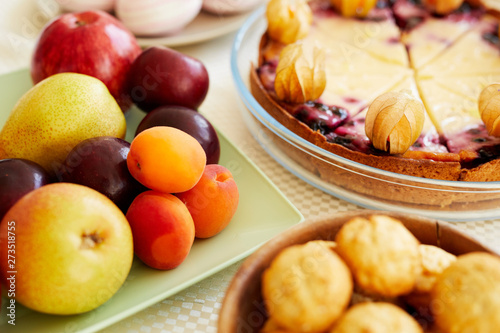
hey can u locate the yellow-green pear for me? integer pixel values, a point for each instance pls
(74, 248)
(55, 115)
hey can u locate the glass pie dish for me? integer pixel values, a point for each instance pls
(348, 180)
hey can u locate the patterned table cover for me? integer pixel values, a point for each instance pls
(196, 308)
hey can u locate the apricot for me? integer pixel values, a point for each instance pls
(166, 159)
(162, 229)
(213, 201)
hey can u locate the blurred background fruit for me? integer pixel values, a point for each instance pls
(228, 7)
(156, 17)
(81, 5)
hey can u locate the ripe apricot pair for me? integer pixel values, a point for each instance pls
(164, 225)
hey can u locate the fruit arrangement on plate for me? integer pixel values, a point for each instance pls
(366, 272)
(78, 201)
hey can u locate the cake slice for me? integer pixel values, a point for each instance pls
(344, 58)
(476, 53)
(453, 103)
(379, 39)
(356, 92)
(468, 86)
(457, 118)
(427, 36)
(431, 37)
(449, 111)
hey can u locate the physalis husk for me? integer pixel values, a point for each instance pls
(442, 7)
(354, 8)
(394, 118)
(489, 108)
(300, 76)
(288, 20)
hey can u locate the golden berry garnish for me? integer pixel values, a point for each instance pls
(489, 108)
(394, 121)
(353, 8)
(288, 20)
(443, 7)
(300, 76)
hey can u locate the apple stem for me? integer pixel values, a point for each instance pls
(90, 240)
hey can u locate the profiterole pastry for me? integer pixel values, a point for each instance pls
(306, 288)
(400, 285)
(466, 296)
(271, 326)
(382, 254)
(434, 261)
(376, 318)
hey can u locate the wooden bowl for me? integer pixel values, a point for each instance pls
(243, 308)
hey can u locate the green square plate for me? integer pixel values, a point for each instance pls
(263, 212)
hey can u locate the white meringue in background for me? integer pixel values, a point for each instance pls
(229, 6)
(82, 5)
(156, 17)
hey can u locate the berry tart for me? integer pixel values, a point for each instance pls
(406, 86)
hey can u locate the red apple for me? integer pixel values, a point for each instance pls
(161, 76)
(93, 43)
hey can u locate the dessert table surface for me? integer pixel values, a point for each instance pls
(196, 308)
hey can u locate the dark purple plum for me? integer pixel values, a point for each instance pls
(189, 121)
(17, 178)
(162, 76)
(101, 163)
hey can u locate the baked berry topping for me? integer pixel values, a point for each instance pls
(385, 3)
(492, 37)
(430, 142)
(322, 8)
(318, 116)
(409, 14)
(475, 139)
(267, 74)
(352, 136)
